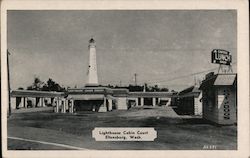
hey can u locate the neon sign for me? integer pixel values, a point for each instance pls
(220, 56)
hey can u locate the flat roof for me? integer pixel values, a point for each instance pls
(86, 97)
(99, 90)
(220, 80)
(31, 93)
(189, 92)
(150, 94)
(225, 79)
(116, 92)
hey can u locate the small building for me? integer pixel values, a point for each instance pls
(219, 98)
(30, 98)
(91, 98)
(99, 99)
(150, 98)
(188, 101)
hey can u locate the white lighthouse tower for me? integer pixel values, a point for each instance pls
(92, 68)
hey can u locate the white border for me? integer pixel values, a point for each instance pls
(243, 71)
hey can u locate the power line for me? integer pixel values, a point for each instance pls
(169, 79)
(183, 76)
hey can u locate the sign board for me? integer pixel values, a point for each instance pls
(220, 56)
(124, 134)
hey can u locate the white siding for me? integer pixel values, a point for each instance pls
(122, 103)
(198, 105)
(226, 106)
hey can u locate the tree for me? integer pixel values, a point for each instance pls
(29, 88)
(52, 86)
(164, 89)
(133, 88)
(36, 85)
(110, 86)
(153, 88)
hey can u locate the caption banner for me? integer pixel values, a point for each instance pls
(124, 134)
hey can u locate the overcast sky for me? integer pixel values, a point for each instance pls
(162, 47)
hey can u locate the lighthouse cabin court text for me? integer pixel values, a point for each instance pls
(124, 134)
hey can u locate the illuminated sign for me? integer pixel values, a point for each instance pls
(220, 56)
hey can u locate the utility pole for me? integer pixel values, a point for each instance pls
(195, 82)
(8, 75)
(135, 79)
(120, 83)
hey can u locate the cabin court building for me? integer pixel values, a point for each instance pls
(219, 91)
(102, 99)
(219, 98)
(92, 97)
(188, 101)
(35, 99)
(217, 94)
(96, 99)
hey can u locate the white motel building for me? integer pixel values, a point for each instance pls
(215, 101)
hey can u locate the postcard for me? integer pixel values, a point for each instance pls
(125, 78)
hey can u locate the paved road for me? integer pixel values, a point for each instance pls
(29, 144)
(48, 129)
(46, 137)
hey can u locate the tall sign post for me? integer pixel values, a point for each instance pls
(224, 58)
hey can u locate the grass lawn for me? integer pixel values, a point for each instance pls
(173, 132)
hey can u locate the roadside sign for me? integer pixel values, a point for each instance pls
(220, 56)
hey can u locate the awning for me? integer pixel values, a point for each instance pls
(219, 80)
(225, 79)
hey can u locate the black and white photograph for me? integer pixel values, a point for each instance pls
(123, 79)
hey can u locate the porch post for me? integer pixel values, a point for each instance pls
(21, 102)
(40, 102)
(136, 101)
(71, 106)
(43, 102)
(109, 104)
(154, 101)
(57, 104)
(63, 106)
(142, 101)
(159, 101)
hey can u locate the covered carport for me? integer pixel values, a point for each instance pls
(150, 98)
(30, 98)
